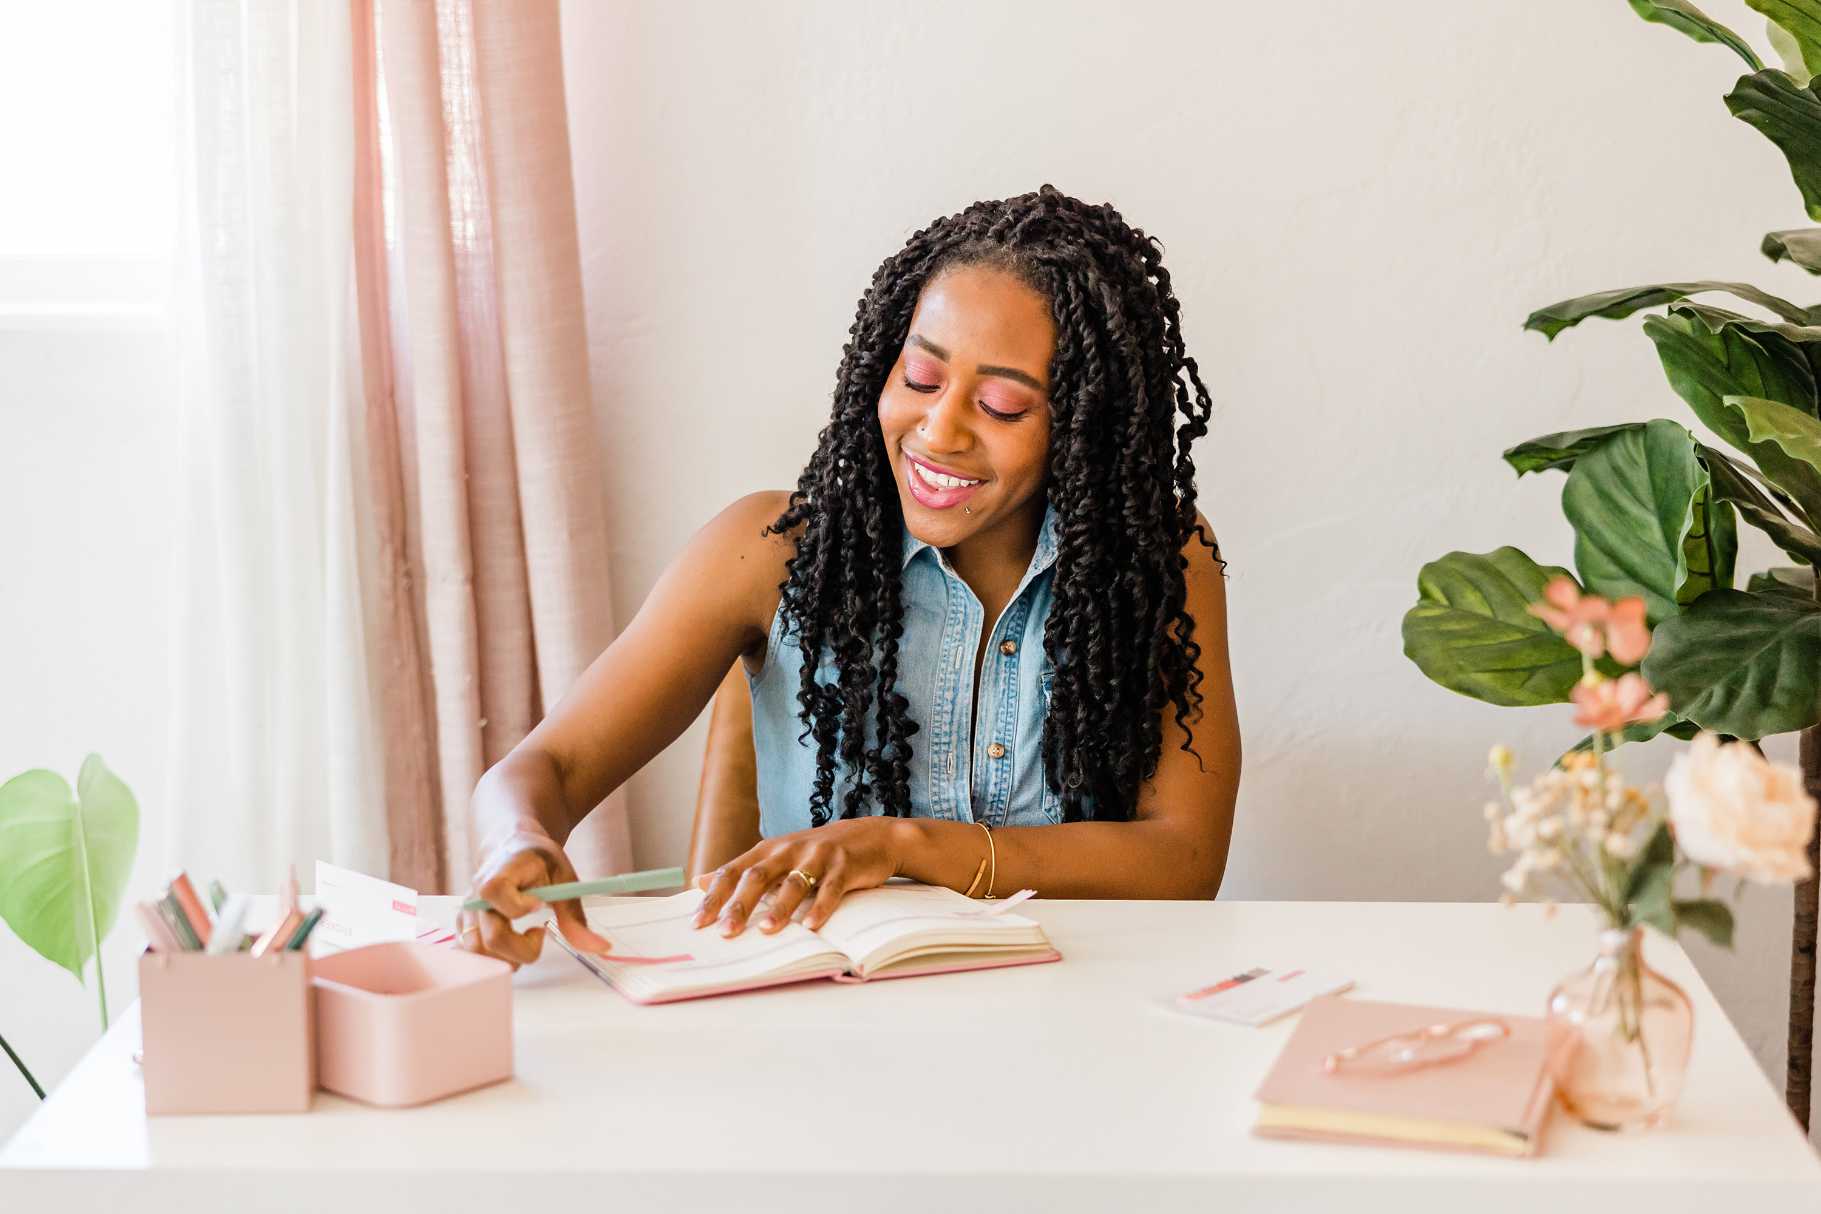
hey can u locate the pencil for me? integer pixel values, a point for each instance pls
(625, 883)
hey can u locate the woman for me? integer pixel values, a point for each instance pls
(1000, 512)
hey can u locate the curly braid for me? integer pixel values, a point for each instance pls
(1121, 481)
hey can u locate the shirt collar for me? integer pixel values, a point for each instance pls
(1041, 559)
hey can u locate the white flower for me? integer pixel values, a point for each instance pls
(1734, 810)
(1620, 846)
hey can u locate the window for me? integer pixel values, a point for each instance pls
(86, 220)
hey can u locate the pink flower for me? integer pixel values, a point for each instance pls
(1627, 635)
(1591, 624)
(1609, 705)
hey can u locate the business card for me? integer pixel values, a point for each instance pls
(1260, 995)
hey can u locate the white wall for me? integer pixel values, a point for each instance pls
(85, 525)
(1360, 203)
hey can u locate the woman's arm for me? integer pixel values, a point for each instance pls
(711, 606)
(1175, 846)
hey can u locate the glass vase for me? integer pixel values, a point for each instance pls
(1629, 1030)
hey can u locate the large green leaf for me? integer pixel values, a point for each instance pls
(1683, 16)
(1743, 664)
(1705, 367)
(1711, 918)
(1783, 338)
(1470, 632)
(1790, 51)
(1642, 731)
(1561, 450)
(1799, 245)
(1614, 305)
(1788, 115)
(1798, 21)
(1731, 483)
(64, 859)
(1796, 432)
(1797, 582)
(1646, 522)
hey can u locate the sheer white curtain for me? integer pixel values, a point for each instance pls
(394, 554)
(273, 743)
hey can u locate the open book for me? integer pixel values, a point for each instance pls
(894, 931)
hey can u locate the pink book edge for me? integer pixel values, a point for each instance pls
(837, 975)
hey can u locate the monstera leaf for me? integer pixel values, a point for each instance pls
(64, 861)
(1646, 521)
(1470, 632)
(1683, 16)
(1789, 115)
(1743, 664)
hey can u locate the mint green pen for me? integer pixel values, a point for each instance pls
(625, 883)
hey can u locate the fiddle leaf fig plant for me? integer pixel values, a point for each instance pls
(1655, 509)
(64, 861)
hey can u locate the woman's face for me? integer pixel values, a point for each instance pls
(965, 413)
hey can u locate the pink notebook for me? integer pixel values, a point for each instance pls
(1494, 1100)
(895, 931)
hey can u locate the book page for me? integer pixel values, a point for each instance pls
(658, 953)
(872, 925)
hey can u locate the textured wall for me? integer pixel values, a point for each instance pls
(1359, 203)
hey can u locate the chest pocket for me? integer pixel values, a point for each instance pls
(1049, 800)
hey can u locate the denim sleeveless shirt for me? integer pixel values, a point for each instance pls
(966, 764)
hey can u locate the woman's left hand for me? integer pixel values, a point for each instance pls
(856, 853)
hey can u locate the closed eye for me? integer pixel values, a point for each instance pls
(914, 386)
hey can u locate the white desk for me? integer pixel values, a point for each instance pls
(1053, 1087)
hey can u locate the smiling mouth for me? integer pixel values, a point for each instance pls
(936, 490)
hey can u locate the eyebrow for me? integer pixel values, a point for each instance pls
(1011, 373)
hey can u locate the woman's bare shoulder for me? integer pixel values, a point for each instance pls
(743, 549)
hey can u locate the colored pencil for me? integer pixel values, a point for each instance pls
(157, 933)
(192, 907)
(304, 929)
(626, 883)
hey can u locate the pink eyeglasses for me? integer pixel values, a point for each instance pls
(1401, 1052)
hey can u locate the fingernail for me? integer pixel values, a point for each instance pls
(770, 924)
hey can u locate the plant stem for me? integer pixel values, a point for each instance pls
(88, 895)
(20, 1063)
(1802, 932)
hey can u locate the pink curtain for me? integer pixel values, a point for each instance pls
(486, 544)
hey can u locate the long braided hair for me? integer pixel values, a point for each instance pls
(1121, 482)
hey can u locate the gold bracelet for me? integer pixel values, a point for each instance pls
(992, 855)
(975, 883)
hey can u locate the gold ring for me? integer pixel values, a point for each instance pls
(809, 882)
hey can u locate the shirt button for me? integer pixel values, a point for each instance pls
(996, 750)
(1008, 648)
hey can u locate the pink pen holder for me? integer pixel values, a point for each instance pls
(226, 1034)
(401, 1024)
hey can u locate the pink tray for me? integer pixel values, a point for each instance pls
(404, 1023)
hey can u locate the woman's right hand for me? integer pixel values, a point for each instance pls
(520, 861)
